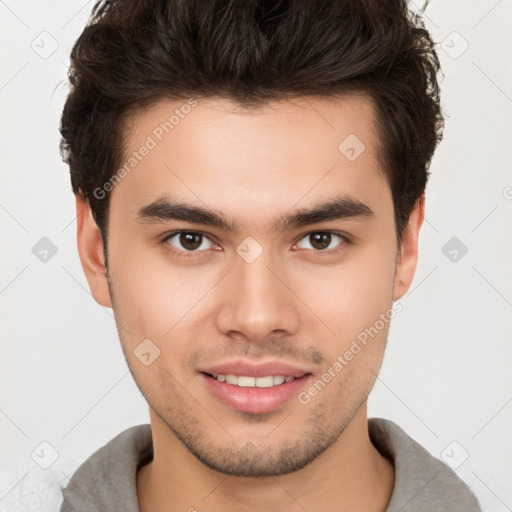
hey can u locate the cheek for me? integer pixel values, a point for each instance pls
(156, 299)
(349, 297)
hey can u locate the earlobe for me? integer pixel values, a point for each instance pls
(90, 250)
(406, 266)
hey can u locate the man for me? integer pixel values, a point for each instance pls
(249, 180)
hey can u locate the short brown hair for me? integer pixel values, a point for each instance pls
(134, 53)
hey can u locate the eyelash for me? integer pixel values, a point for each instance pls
(345, 240)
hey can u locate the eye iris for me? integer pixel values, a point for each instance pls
(190, 241)
(324, 239)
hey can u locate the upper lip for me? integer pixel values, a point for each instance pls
(253, 369)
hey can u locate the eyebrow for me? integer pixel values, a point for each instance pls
(164, 209)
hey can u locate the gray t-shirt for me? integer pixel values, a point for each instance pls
(106, 481)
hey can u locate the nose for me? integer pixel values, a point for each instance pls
(258, 301)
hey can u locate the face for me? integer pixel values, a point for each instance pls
(248, 248)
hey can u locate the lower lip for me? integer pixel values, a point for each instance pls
(253, 399)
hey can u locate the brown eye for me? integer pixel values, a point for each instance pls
(187, 241)
(322, 240)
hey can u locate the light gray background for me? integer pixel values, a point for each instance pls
(447, 372)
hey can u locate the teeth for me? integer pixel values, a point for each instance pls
(232, 379)
(245, 381)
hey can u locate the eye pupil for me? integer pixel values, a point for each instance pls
(324, 239)
(190, 241)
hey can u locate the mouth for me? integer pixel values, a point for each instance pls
(254, 389)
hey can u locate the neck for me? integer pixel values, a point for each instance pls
(349, 475)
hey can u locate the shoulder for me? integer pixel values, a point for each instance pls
(423, 483)
(107, 479)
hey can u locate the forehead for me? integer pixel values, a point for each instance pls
(211, 151)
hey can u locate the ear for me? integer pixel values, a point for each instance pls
(408, 257)
(90, 249)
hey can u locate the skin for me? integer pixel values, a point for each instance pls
(294, 303)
